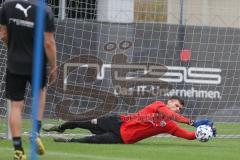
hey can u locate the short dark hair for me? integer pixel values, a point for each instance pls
(177, 98)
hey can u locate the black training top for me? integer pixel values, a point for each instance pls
(19, 17)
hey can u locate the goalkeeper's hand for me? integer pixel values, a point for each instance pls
(200, 122)
(214, 131)
(205, 121)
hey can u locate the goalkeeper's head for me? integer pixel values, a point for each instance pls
(175, 103)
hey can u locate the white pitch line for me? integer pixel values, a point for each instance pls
(229, 136)
(222, 136)
(74, 155)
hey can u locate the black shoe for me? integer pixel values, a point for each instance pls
(52, 127)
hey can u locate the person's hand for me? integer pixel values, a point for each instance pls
(52, 76)
(205, 121)
(214, 131)
(200, 122)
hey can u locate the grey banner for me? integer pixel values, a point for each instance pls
(118, 68)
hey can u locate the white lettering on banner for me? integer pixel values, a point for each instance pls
(157, 91)
(192, 75)
(175, 74)
(193, 93)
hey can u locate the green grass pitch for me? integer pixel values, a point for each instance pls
(154, 148)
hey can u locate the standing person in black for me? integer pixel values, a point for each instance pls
(17, 31)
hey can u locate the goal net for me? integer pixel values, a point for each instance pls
(117, 56)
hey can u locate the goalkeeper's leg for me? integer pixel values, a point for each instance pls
(106, 138)
(72, 125)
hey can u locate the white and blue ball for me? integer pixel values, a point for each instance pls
(204, 133)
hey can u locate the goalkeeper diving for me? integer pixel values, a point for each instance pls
(153, 119)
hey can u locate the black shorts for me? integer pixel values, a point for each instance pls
(16, 85)
(110, 124)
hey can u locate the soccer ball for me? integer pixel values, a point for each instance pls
(204, 133)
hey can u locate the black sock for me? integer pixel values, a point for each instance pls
(17, 143)
(60, 127)
(39, 126)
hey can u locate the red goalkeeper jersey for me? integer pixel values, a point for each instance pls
(153, 119)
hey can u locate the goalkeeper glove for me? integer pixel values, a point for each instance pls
(205, 121)
(200, 122)
(214, 131)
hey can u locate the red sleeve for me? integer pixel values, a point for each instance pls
(182, 133)
(177, 131)
(170, 115)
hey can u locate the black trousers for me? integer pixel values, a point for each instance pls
(107, 130)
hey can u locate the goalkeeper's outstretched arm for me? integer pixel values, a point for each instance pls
(182, 133)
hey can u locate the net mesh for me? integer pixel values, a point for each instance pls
(119, 56)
